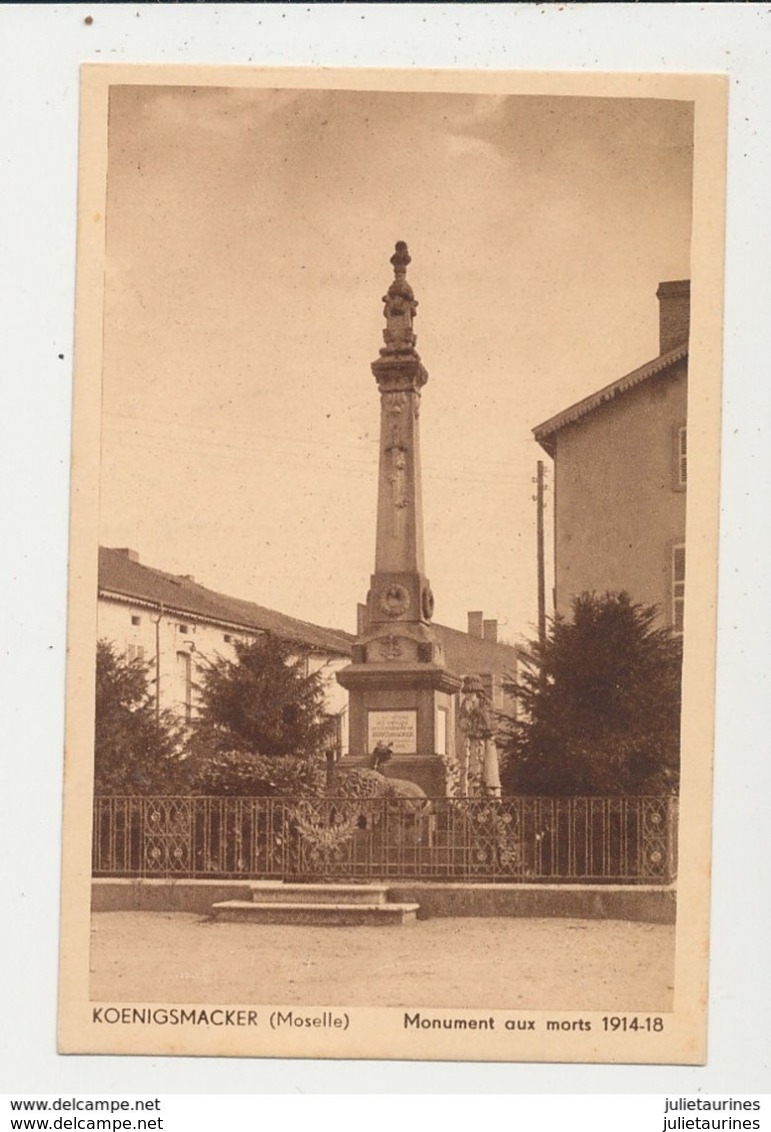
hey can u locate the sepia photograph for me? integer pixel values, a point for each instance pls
(393, 564)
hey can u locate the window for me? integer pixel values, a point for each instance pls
(136, 652)
(228, 638)
(185, 683)
(136, 619)
(182, 628)
(440, 746)
(682, 457)
(678, 587)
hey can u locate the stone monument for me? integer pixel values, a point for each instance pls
(400, 693)
(478, 772)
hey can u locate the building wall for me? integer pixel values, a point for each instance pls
(185, 644)
(469, 654)
(619, 506)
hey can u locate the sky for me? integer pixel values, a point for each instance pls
(248, 234)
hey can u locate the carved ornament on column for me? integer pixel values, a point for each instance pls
(399, 368)
(390, 648)
(394, 600)
(397, 476)
(400, 307)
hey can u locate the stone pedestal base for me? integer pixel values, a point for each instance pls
(412, 708)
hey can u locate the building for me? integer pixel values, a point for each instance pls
(620, 474)
(176, 624)
(173, 623)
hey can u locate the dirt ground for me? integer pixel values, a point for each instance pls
(498, 963)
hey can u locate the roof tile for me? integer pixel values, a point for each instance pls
(118, 574)
(544, 432)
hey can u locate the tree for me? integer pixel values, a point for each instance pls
(135, 748)
(599, 705)
(260, 726)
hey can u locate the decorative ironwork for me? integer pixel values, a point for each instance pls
(167, 842)
(524, 839)
(656, 837)
(325, 831)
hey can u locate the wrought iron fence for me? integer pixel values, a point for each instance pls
(539, 840)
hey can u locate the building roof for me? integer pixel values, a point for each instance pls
(545, 433)
(122, 576)
(466, 654)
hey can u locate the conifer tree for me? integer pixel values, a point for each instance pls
(265, 702)
(599, 705)
(136, 748)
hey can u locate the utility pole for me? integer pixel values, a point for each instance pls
(540, 551)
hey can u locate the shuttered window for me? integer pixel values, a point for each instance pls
(678, 587)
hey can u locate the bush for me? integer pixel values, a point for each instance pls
(599, 705)
(240, 774)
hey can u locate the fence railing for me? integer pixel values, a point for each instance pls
(539, 840)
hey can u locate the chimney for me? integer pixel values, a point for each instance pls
(127, 552)
(475, 622)
(361, 618)
(674, 314)
(490, 631)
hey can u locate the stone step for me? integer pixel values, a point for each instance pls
(269, 892)
(321, 914)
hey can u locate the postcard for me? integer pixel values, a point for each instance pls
(393, 564)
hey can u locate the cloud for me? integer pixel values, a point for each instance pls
(460, 146)
(224, 111)
(483, 110)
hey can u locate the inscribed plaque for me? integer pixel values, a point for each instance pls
(397, 728)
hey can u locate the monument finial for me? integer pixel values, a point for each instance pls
(400, 307)
(401, 258)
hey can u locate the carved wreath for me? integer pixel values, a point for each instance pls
(394, 600)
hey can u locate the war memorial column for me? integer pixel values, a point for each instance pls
(400, 691)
